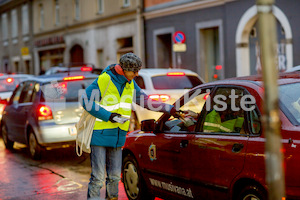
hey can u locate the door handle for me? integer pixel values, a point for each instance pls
(184, 143)
(236, 148)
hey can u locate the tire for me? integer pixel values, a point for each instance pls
(134, 122)
(252, 192)
(7, 142)
(34, 147)
(134, 183)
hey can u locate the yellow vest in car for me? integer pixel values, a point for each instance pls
(114, 103)
(213, 123)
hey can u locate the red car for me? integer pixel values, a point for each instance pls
(215, 148)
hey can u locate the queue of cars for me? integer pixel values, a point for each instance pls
(213, 153)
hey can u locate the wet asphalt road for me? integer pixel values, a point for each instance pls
(60, 175)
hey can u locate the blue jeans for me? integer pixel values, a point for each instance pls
(109, 159)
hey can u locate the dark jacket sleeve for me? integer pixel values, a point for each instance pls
(88, 102)
(142, 99)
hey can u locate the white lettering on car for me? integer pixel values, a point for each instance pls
(172, 188)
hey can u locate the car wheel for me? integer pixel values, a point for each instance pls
(134, 183)
(34, 147)
(7, 142)
(252, 192)
(134, 122)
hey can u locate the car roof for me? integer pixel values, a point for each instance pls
(293, 69)
(61, 76)
(283, 78)
(16, 75)
(161, 71)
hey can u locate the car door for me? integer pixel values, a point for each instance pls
(225, 148)
(11, 113)
(23, 109)
(173, 158)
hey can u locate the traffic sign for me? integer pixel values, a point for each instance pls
(178, 37)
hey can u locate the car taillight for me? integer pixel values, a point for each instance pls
(44, 112)
(86, 69)
(175, 74)
(9, 80)
(72, 78)
(159, 97)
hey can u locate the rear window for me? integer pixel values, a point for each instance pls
(64, 90)
(175, 82)
(9, 84)
(289, 96)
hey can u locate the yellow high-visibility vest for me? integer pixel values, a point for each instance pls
(113, 102)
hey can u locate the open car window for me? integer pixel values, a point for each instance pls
(191, 105)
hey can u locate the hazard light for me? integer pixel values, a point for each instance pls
(73, 78)
(159, 97)
(175, 74)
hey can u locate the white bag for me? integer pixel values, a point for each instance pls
(84, 128)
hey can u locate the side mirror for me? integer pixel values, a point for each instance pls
(148, 125)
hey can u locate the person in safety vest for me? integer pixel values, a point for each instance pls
(116, 88)
(213, 123)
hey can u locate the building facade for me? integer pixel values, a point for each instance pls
(80, 31)
(221, 36)
(16, 47)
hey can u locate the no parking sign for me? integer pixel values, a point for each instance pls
(179, 39)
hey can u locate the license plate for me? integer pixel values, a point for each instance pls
(72, 131)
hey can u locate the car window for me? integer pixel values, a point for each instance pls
(226, 117)
(191, 106)
(140, 82)
(182, 82)
(64, 90)
(255, 124)
(289, 97)
(16, 95)
(27, 92)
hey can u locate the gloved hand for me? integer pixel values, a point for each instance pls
(112, 116)
(175, 113)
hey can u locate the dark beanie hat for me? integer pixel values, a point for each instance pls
(130, 62)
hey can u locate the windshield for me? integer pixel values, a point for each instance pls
(9, 84)
(289, 96)
(175, 82)
(64, 90)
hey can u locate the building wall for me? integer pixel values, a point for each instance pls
(16, 52)
(97, 33)
(226, 15)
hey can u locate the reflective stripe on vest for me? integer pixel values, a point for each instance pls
(113, 102)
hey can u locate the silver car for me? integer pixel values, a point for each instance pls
(42, 110)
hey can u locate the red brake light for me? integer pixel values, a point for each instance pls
(175, 74)
(218, 67)
(159, 97)
(1, 74)
(72, 78)
(44, 112)
(86, 69)
(9, 80)
(206, 96)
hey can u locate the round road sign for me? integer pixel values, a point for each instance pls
(179, 37)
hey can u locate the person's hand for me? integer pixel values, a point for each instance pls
(175, 113)
(112, 116)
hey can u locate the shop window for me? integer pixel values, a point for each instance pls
(100, 57)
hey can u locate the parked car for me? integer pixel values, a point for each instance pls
(162, 84)
(41, 111)
(195, 157)
(73, 67)
(8, 83)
